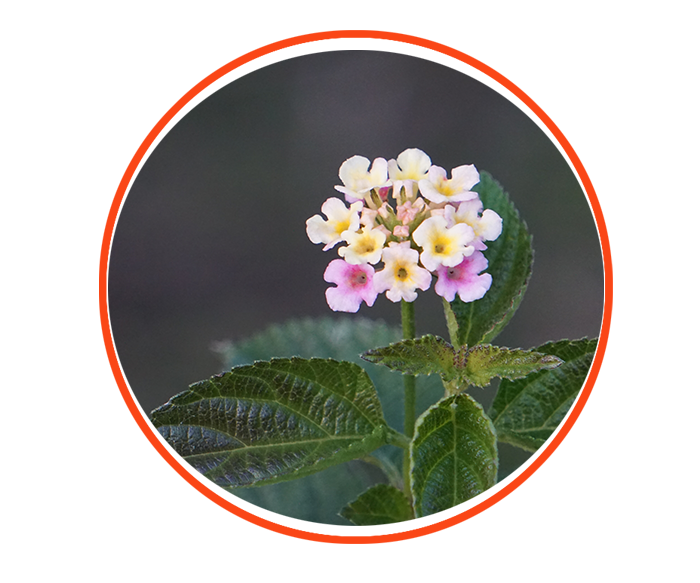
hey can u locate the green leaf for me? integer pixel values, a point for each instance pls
(476, 366)
(426, 355)
(318, 497)
(453, 455)
(485, 362)
(381, 504)
(274, 421)
(510, 264)
(526, 412)
(343, 338)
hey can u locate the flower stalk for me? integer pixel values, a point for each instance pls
(408, 325)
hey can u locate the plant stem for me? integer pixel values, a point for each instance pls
(389, 469)
(408, 325)
(451, 323)
(397, 439)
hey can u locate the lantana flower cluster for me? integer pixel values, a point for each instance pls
(403, 224)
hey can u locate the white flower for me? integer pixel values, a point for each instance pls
(442, 245)
(365, 246)
(411, 164)
(401, 275)
(340, 220)
(358, 179)
(407, 170)
(487, 225)
(438, 189)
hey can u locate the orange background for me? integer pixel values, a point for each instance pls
(150, 79)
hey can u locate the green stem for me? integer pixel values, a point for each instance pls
(452, 326)
(397, 439)
(408, 324)
(389, 469)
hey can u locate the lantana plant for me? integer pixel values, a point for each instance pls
(402, 227)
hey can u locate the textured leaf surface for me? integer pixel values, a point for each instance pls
(426, 355)
(275, 420)
(486, 362)
(339, 339)
(319, 497)
(526, 412)
(510, 264)
(381, 504)
(453, 455)
(476, 366)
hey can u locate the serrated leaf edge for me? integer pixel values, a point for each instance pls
(503, 436)
(379, 433)
(421, 420)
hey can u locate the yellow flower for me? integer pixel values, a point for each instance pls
(443, 246)
(401, 275)
(365, 246)
(437, 188)
(340, 220)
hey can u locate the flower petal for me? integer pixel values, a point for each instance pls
(319, 231)
(490, 225)
(352, 169)
(338, 301)
(464, 177)
(411, 164)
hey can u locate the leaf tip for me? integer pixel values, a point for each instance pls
(551, 362)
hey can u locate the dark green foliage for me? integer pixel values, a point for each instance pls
(526, 412)
(274, 421)
(453, 455)
(510, 264)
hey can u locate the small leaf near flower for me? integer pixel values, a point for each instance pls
(463, 367)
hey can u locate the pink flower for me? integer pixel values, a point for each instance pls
(354, 285)
(463, 279)
(401, 231)
(407, 211)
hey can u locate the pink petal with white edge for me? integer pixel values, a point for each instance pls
(355, 285)
(335, 272)
(477, 289)
(342, 302)
(463, 279)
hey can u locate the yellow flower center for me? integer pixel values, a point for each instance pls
(442, 245)
(366, 244)
(341, 226)
(446, 189)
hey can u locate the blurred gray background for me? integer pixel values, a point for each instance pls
(211, 241)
